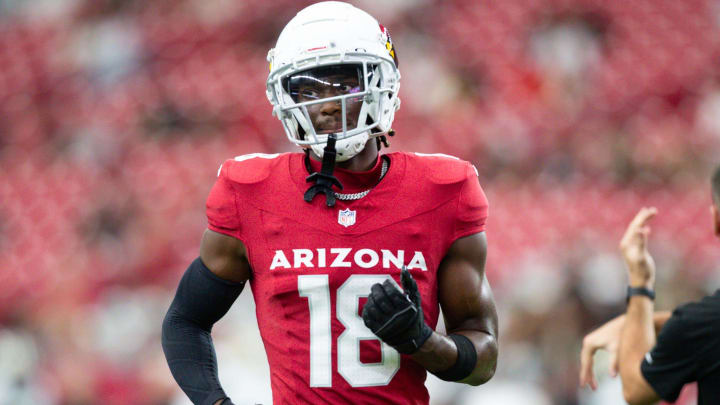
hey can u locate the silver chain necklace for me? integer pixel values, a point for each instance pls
(357, 196)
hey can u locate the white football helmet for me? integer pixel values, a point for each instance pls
(324, 36)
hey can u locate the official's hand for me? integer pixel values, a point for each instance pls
(606, 337)
(396, 317)
(641, 266)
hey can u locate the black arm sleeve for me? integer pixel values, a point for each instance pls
(201, 299)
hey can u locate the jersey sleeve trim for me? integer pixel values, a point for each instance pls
(225, 232)
(467, 232)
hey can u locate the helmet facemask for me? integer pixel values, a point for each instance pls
(333, 84)
(364, 93)
(329, 100)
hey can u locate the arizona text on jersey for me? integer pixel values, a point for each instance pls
(311, 273)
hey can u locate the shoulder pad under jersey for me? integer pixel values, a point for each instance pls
(250, 168)
(441, 168)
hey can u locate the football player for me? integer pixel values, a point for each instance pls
(350, 254)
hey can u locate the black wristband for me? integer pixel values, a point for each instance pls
(640, 291)
(465, 363)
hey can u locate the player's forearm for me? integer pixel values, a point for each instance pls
(191, 358)
(659, 319)
(486, 347)
(200, 301)
(439, 353)
(636, 339)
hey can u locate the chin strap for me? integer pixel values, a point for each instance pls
(382, 140)
(324, 180)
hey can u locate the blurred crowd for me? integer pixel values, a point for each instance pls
(115, 115)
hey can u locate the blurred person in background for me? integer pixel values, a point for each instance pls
(380, 220)
(657, 354)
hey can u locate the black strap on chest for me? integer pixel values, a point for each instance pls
(324, 179)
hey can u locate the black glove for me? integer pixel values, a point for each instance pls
(396, 317)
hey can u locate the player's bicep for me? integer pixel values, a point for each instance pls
(225, 256)
(464, 292)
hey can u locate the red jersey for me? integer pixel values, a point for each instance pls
(313, 265)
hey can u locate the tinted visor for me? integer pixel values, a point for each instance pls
(323, 82)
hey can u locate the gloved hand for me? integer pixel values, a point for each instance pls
(396, 317)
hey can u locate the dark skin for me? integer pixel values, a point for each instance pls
(329, 115)
(463, 291)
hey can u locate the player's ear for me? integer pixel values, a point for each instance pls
(716, 219)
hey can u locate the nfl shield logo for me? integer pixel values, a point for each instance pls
(346, 217)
